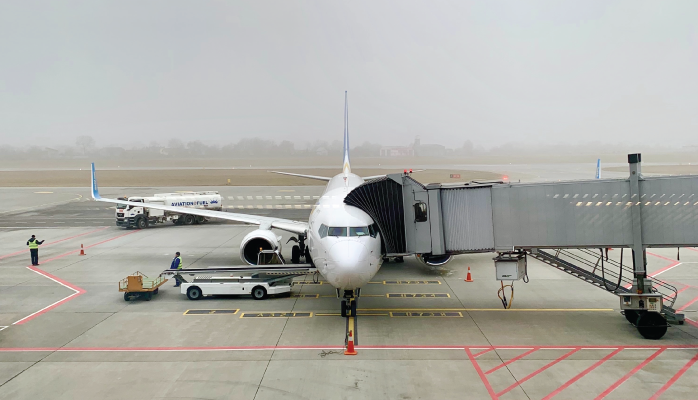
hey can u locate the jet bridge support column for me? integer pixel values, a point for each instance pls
(639, 257)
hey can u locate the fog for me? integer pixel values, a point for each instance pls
(132, 73)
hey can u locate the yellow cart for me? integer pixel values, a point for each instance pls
(137, 285)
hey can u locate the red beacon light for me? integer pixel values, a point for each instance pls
(410, 170)
(505, 178)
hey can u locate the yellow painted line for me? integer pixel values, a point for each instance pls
(269, 314)
(369, 295)
(286, 190)
(351, 326)
(211, 312)
(417, 295)
(306, 296)
(326, 315)
(443, 314)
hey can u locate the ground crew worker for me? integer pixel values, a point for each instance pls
(177, 264)
(33, 244)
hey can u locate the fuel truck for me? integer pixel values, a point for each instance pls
(141, 217)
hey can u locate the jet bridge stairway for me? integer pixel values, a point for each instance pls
(608, 274)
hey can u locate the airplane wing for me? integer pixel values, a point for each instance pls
(264, 222)
(319, 178)
(368, 178)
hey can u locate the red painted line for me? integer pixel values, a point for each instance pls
(687, 304)
(482, 352)
(679, 291)
(691, 248)
(691, 322)
(662, 270)
(50, 243)
(78, 291)
(581, 375)
(482, 376)
(662, 257)
(629, 374)
(520, 356)
(532, 374)
(675, 378)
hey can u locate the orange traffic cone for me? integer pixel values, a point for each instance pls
(350, 351)
(82, 250)
(468, 278)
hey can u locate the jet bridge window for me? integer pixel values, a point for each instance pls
(358, 231)
(337, 231)
(420, 212)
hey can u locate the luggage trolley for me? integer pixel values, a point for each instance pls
(138, 285)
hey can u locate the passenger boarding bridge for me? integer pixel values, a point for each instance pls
(563, 224)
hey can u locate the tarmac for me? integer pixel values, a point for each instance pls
(422, 333)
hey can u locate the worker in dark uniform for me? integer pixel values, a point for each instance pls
(177, 264)
(33, 244)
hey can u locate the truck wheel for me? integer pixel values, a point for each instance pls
(194, 293)
(127, 296)
(188, 219)
(148, 296)
(295, 255)
(141, 223)
(200, 219)
(259, 293)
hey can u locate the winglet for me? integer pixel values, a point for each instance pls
(95, 189)
(346, 167)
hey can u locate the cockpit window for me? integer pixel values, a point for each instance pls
(358, 231)
(336, 231)
(322, 231)
(373, 230)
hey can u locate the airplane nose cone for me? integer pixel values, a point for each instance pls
(348, 266)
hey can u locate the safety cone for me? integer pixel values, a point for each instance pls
(468, 278)
(350, 351)
(82, 250)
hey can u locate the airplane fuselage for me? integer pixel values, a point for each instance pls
(342, 240)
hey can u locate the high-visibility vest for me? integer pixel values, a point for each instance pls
(180, 263)
(33, 244)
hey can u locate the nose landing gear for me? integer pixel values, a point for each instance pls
(299, 250)
(349, 303)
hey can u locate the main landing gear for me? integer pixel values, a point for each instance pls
(349, 303)
(299, 250)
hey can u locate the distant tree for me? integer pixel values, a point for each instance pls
(85, 142)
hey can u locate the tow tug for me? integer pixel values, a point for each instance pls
(271, 276)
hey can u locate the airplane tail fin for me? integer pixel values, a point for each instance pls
(598, 168)
(95, 189)
(346, 166)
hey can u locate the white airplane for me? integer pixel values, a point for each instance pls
(344, 243)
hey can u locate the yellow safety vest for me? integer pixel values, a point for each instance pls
(180, 262)
(33, 244)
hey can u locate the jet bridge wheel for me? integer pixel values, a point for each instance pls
(631, 316)
(651, 325)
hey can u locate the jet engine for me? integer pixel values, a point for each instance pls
(434, 261)
(256, 240)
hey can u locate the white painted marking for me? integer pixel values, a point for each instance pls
(2, 328)
(306, 197)
(668, 269)
(287, 197)
(241, 198)
(267, 197)
(249, 197)
(277, 197)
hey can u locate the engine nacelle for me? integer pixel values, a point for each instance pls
(434, 261)
(253, 241)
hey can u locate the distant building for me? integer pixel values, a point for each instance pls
(415, 149)
(397, 151)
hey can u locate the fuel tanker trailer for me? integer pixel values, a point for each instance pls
(130, 216)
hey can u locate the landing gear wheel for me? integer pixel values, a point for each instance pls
(353, 308)
(194, 293)
(344, 308)
(295, 255)
(651, 325)
(631, 316)
(259, 293)
(399, 259)
(188, 219)
(141, 223)
(386, 259)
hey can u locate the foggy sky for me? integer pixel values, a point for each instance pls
(489, 72)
